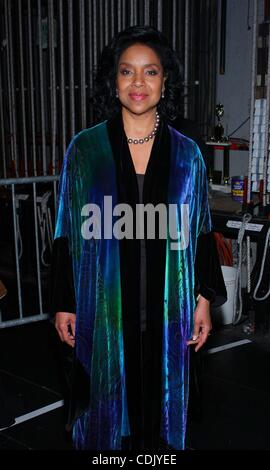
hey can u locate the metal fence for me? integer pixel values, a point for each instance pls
(28, 208)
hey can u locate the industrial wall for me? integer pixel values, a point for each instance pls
(233, 88)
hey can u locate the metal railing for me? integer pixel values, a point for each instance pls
(17, 191)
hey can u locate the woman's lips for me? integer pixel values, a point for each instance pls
(137, 96)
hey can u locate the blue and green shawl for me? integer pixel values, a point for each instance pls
(88, 174)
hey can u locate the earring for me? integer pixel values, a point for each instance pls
(116, 94)
(162, 94)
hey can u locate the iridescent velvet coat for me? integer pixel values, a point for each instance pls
(98, 164)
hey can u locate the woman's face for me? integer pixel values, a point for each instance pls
(140, 79)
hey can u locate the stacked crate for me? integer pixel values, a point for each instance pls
(259, 125)
(260, 161)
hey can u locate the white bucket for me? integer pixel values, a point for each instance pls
(224, 314)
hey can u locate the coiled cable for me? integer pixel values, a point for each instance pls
(238, 303)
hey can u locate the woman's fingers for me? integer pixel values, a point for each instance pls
(65, 324)
(200, 342)
(202, 324)
(203, 338)
(199, 339)
(192, 343)
(196, 332)
(72, 326)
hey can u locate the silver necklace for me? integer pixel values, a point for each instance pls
(149, 136)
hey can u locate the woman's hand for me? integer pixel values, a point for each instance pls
(202, 323)
(65, 324)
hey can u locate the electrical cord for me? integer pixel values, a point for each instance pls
(255, 297)
(248, 266)
(45, 225)
(238, 303)
(19, 235)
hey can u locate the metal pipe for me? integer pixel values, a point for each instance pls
(119, 16)
(13, 87)
(15, 230)
(174, 23)
(146, 12)
(186, 57)
(123, 14)
(223, 26)
(252, 101)
(10, 78)
(106, 16)
(211, 66)
(112, 16)
(23, 321)
(132, 22)
(94, 38)
(31, 86)
(9, 86)
(71, 68)
(41, 83)
(101, 28)
(135, 2)
(52, 39)
(37, 249)
(90, 45)
(95, 32)
(3, 138)
(248, 265)
(28, 180)
(25, 151)
(159, 15)
(82, 63)
(62, 79)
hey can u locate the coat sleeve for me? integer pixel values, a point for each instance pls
(62, 283)
(62, 292)
(208, 275)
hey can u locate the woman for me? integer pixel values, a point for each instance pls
(134, 298)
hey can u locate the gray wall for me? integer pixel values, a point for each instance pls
(234, 87)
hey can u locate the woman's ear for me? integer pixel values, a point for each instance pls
(164, 80)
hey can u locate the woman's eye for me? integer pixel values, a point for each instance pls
(151, 72)
(125, 72)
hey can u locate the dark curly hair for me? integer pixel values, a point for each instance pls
(106, 105)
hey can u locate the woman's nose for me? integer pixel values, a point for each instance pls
(138, 79)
